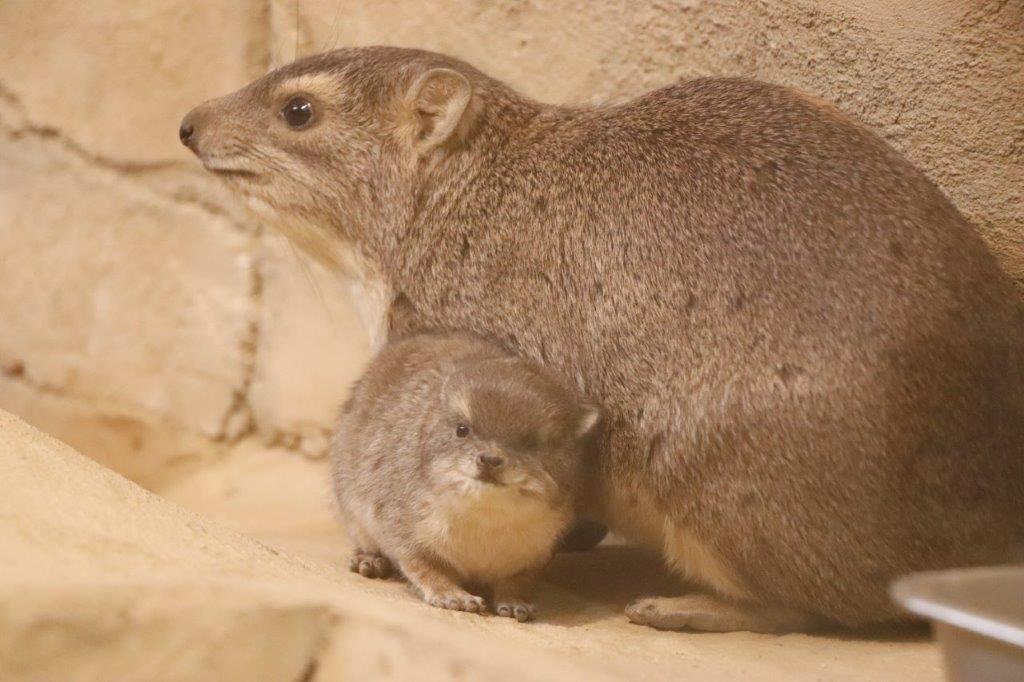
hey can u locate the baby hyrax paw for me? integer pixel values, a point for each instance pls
(370, 565)
(457, 601)
(520, 610)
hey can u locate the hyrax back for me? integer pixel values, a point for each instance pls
(460, 463)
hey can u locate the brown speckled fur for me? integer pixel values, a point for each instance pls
(809, 361)
(409, 485)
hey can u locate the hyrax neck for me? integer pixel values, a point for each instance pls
(402, 241)
(358, 273)
(418, 251)
(370, 294)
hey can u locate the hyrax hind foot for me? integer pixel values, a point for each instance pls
(370, 565)
(707, 613)
(520, 610)
(457, 600)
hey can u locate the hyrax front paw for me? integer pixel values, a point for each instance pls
(520, 610)
(457, 601)
(370, 565)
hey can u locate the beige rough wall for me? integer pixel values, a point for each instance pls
(145, 318)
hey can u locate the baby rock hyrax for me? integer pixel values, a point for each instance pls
(459, 463)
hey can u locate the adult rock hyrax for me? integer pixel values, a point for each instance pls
(810, 365)
(460, 463)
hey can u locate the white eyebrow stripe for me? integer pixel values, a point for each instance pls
(461, 404)
(321, 84)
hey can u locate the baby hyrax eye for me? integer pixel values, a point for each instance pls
(298, 112)
(462, 430)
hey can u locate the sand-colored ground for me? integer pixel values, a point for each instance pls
(102, 580)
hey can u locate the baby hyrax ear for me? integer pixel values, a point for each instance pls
(586, 420)
(439, 105)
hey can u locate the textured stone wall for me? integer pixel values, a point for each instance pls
(147, 320)
(143, 317)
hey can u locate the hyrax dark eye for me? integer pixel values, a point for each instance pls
(297, 112)
(461, 430)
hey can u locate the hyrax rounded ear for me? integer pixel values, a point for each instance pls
(438, 105)
(586, 420)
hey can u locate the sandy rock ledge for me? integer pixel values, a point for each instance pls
(102, 580)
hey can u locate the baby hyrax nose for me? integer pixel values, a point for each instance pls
(489, 462)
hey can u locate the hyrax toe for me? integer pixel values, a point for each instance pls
(642, 611)
(521, 611)
(370, 565)
(458, 602)
(381, 566)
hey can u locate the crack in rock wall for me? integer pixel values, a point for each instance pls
(148, 321)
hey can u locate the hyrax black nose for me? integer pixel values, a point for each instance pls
(191, 127)
(185, 133)
(488, 462)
